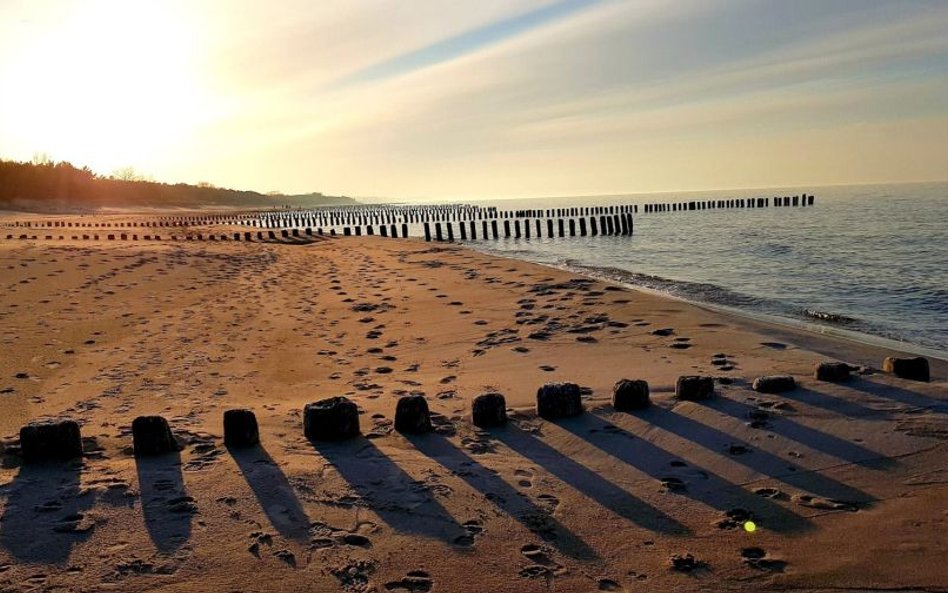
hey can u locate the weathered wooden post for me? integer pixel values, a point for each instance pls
(151, 435)
(630, 395)
(559, 400)
(694, 387)
(50, 440)
(240, 428)
(412, 415)
(489, 410)
(332, 419)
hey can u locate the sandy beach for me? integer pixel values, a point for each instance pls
(847, 483)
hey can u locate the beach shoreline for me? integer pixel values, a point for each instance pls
(104, 332)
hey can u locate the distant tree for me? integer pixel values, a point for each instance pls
(42, 159)
(127, 174)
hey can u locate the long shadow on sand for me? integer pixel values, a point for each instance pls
(805, 435)
(166, 507)
(42, 519)
(589, 482)
(899, 394)
(273, 491)
(836, 405)
(754, 458)
(503, 495)
(698, 483)
(404, 503)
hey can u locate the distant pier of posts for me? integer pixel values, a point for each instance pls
(454, 222)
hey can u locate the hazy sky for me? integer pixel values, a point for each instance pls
(485, 98)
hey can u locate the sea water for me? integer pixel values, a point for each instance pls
(868, 261)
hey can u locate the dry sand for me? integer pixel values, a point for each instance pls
(848, 483)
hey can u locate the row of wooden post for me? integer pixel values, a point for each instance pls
(778, 202)
(615, 224)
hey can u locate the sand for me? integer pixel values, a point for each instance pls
(846, 483)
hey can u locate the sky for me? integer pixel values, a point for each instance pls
(445, 99)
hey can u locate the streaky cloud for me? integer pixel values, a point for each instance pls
(467, 42)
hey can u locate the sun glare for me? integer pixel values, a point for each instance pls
(113, 83)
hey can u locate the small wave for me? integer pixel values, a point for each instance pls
(827, 317)
(694, 291)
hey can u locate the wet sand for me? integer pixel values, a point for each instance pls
(847, 483)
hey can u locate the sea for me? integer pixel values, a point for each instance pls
(869, 262)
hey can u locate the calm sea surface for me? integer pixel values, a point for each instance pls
(869, 259)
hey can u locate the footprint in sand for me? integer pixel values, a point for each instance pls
(664, 332)
(548, 503)
(474, 529)
(687, 563)
(734, 518)
(770, 493)
(417, 581)
(757, 558)
(525, 478)
(547, 368)
(536, 554)
(672, 484)
(826, 504)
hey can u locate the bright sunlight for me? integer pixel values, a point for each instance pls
(110, 84)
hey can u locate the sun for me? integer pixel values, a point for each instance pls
(107, 84)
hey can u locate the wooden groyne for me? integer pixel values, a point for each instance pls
(736, 203)
(447, 222)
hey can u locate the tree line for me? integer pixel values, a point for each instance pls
(44, 185)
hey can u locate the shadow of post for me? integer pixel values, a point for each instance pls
(589, 482)
(899, 394)
(165, 505)
(713, 490)
(273, 491)
(805, 435)
(756, 459)
(42, 519)
(405, 504)
(503, 495)
(836, 405)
